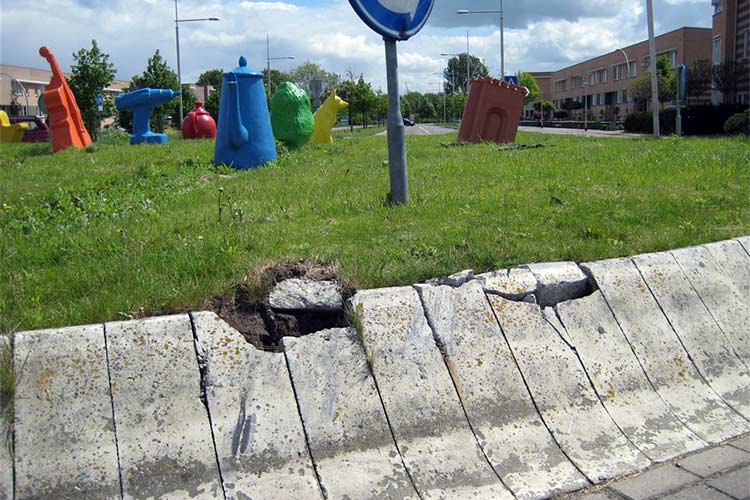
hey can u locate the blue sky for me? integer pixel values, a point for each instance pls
(540, 34)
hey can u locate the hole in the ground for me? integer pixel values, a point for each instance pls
(247, 308)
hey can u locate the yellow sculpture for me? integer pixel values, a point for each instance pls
(8, 132)
(325, 119)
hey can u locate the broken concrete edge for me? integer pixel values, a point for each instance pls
(300, 294)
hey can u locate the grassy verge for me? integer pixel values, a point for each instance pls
(119, 231)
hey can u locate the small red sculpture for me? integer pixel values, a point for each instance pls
(199, 124)
(492, 112)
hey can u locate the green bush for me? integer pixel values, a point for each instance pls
(696, 120)
(738, 123)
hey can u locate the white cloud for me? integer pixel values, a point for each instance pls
(540, 35)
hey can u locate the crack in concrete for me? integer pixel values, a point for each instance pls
(679, 339)
(446, 361)
(360, 337)
(591, 382)
(588, 272)
(200, 355)
(112, 403)
(531, 396)
(323, 489)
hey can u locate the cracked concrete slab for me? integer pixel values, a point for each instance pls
(698, 332)
(510, 430)
(428, 422)
(620, 382)
(513, 284)
(258, 433)
(659, 351)
(563, 395)
(64, 435)
(558, 282)
(722, 299)
(348, 434)
(301, 294)
(6, 461)
(163, 433)
(735, 261)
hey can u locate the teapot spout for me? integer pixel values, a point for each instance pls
(238, 135)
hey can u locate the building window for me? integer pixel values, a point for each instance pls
(594, 78)
(605, 75)
(746, 44)
(633, 69)
(619, 97)
(717, 50)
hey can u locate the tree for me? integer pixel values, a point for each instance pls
(726, 77)
(640, 88)
(548, 105)
(699, 78)
(364, 101)
(304, 74)
(528, 81)
(457, 72)
(159, 75)
(91, 73)
(211, 78)
(212, 103)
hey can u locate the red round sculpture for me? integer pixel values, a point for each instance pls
(199, 124)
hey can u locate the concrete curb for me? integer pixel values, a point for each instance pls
(445, 392)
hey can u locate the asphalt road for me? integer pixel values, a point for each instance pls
(426, 129)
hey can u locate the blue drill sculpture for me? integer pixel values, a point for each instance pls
(143, 102)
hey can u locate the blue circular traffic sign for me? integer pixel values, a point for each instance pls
(397, 19)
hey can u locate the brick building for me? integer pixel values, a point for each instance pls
(604, 80)
(731, 43)
(28, 85)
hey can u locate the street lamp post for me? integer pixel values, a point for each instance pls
(23, 89)
(177, 22)
(585, 106)
(453, 86)
(652, 57)
(445, 97)
(502, 32)
(268, 62)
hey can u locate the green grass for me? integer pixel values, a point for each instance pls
(119, 231)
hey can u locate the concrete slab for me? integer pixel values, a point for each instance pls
(6, 461)
(258, 433)
(513, 284)
(735, 261)
(699, 491)
(564, 396)
(654, 482)
(722, 299)
(163, 433)
(742, 443)
(64, 435)
(735, 484)
(698, 332)
(718, 459)
(348, 434)
(302, 294)
(428, 422)
(558, 282)
(621, 383)
(659, 351)
(512, 434)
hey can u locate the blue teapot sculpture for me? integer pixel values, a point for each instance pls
(244, 138)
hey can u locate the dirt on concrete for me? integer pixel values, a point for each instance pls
(246, 307)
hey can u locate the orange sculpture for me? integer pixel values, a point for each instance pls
(492, 112)
(66, 124)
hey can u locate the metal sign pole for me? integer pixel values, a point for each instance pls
(396, 130)
(654, 77)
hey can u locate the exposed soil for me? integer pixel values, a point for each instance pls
(246, 309)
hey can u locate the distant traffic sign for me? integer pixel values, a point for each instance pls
(396, 19)
(511, 79)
